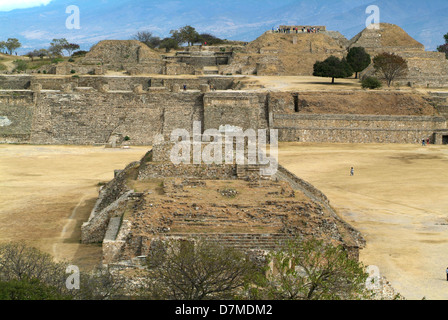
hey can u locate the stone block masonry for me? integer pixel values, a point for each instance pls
(16, 114)
(91, 110)
(93, 117)
(356, 129)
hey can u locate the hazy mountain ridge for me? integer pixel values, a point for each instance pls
(231, 19)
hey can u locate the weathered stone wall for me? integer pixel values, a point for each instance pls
(206, 172)
(356, 129)
(16, 114)
(16, 82)
(242, 109)
(92, 117)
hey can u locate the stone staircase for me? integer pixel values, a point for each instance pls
(240, 241)
(440, 101)
(205, 221)
(210, 71)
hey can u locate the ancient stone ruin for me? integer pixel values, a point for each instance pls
(154, 200)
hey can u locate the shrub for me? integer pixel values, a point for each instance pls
(57, 60)
(71, 60)
(72, 71)
(21, 65)
(371, 83)
(127, 138)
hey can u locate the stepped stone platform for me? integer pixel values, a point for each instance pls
(234, 206)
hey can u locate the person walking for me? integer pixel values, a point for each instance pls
(352, 171)
(446, 274)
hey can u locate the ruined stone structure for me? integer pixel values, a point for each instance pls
(301, 29)
(293, 51)
(426, 69)
(135, 58)
(124, 55)
(92, 110)
(198, 60)
(274, 54)
(148, 203)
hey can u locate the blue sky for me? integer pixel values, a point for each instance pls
(36, 22)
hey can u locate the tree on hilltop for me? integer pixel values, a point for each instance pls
(169, 44)
(71, 47)
(332, 67)
(358, 59)
(31, 55)
(147, 38)
(390, 66)
(57, 46)
(12, 44)
(186, 34)
(444, 47)
(210, 39)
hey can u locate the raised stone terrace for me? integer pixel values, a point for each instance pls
(147, 204)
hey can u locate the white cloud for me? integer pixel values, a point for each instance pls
(8, 5)
(34, 34)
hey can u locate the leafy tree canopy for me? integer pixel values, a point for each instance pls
(333, 67)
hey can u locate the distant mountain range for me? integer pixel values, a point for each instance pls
(244, 20)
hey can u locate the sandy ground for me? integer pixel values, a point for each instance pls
(310, 83)
(397, 199)
(46, 192)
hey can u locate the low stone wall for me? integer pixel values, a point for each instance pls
(15, 82)
(202, 171)
(356, 129)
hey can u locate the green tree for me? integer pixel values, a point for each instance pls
(57, 46)
(186, 34)
(30, 290)
(169, 44)
(71, 47)
(444, 47)
(390, 66)
(188, 271)
(41, 53)
(12, 44)
(358, 59)
(2, 46)
(312, 270)
(333, 67)
(210, 39)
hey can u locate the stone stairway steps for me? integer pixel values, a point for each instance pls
(242, 241)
